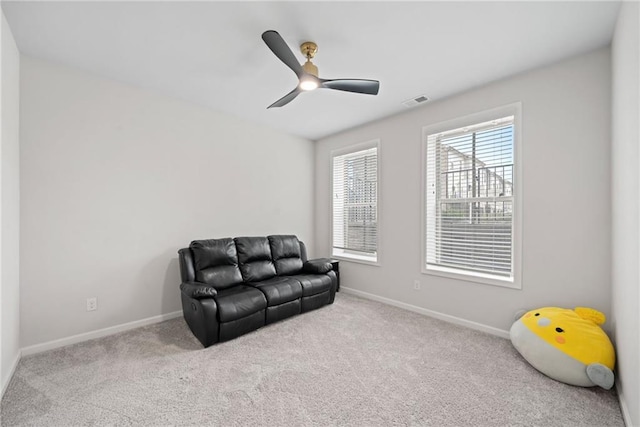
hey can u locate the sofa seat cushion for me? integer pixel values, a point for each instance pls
(279, 290)
(238, 302)
(313, 284)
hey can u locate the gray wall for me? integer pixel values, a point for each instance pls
(625, 61)
(116, 179)
(9, 206)
(566, 224)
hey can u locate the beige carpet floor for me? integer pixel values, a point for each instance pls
(356, 362)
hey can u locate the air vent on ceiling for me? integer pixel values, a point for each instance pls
(415, 101)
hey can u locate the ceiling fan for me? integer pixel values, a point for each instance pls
(308, 73)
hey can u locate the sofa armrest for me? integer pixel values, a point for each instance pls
(317, 266)
(198, 290)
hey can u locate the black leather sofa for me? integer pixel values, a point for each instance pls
(234, 286)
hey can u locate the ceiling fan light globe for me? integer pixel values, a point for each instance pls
(308, 85)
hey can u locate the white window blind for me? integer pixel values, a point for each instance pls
(470, 199)
(355, 204)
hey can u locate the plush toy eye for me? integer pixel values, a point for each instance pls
(559, 330)
(537, 314)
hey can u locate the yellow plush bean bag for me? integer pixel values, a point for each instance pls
(566, 345)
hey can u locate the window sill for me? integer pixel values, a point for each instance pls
(487, 279)
(361, 259)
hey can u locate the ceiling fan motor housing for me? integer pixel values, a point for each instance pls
(309, 68)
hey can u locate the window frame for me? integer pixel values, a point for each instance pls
(515, 110)
(345, 254)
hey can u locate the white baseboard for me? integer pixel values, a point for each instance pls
(626, 417)
(435, 314)
(50, 345)
(12, 371)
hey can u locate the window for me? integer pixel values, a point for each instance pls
(471, 198)
(355, 203)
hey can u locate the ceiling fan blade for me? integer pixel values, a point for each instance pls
(279, 47)
(286, 99)
(369, 87)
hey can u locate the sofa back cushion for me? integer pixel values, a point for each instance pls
(285, 251)
(216, 262)
(254, 255)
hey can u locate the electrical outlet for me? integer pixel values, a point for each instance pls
(92, 304)
(416, 285)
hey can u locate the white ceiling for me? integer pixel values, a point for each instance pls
(211, 53)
